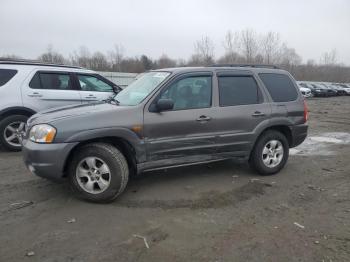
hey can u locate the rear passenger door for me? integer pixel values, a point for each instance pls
(48, 89)
(240, 111)
(93, 88)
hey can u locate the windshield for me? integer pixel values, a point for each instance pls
(138, 90)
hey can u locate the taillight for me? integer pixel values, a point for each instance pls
(306, 113)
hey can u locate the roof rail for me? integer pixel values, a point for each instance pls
(246, 65)
(11, 61)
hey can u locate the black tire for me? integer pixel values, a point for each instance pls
(3, 124)
(256, 157)
(117, 164)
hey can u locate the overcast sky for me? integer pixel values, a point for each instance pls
(154, 27)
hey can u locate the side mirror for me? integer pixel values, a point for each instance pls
(164, 104)
(116, 89)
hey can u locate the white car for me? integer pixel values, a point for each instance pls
(30, 87)
(347, 88)
(306, 92)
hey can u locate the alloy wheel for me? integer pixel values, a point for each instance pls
(272, 153)
(13, 133)
(93, 175)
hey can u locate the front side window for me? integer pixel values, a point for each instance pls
(6, 75)
(138, 90)
(56, 81)
(238, 90)
(92, 83)
(190, 93)
(280, 87)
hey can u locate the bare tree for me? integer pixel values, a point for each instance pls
(82, 57)
(165, 62)
(99, 62)
(270, 47)
(116, 57)
(204, 52)
(231, 45)
(248, 44)
(181, 62)
(51, 56)
(241, 46)
(289, 57)
(329, 58)
(10, 56)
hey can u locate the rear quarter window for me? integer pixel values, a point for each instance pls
(6, 75)
(280, 87)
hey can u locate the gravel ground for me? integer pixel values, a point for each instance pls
(216, 212)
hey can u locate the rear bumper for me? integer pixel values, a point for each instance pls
(299, 133)
(46, 160)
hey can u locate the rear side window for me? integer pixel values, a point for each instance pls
(238, 90)
(280, 87)
(57, 81)
(6, 75)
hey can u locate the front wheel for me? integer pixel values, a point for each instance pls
(270, 153)
(98, 172)
(12, 129)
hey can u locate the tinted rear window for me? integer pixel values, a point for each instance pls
(238, 90)
(280, 87)
(6, 75)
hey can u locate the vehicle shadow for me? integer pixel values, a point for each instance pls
(202, 185)
(198, 186)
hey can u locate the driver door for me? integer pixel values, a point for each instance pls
(185, 133)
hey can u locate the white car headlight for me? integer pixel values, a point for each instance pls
(42, 133)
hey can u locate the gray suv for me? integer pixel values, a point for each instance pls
(169, 118)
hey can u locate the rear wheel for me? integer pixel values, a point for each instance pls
(98, 172)
(12, 129)
(270, 153)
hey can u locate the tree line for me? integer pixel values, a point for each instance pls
(245, 46)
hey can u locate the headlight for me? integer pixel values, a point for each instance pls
(42, 133)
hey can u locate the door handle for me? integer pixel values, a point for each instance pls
(258, 113)
(90, 96)
(35, 94)
(203, 118)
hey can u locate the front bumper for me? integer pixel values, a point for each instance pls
(46, 160)
(299, 134)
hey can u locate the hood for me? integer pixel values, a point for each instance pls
(60, 113)
(71, 121)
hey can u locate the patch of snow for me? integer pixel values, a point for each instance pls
(321, 144)
(327, 139)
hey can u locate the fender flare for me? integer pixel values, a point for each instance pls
(112, 132)
(270, 123)
(6, 111)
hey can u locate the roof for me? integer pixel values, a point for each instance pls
(11, 61)
(250, 68)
